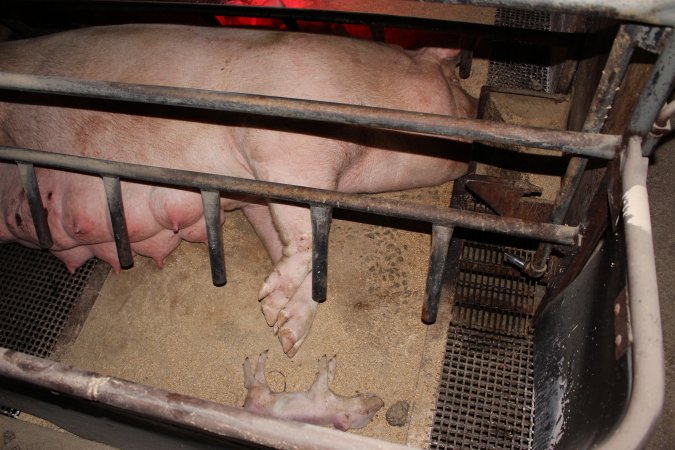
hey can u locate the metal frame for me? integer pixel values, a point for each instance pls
(647, 391)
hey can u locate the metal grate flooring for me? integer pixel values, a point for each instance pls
(37, 296)
(485, 395)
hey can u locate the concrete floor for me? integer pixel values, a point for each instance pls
(661, 189)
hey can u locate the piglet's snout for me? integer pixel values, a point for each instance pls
(364, 408)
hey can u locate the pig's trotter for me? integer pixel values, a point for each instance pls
(295, 320)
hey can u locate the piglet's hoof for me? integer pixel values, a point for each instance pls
(319, 405)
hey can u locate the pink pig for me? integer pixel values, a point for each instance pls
(284, 64)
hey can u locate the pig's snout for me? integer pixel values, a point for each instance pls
(361, 411)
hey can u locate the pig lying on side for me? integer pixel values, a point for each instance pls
(319, 405)
(296, 65)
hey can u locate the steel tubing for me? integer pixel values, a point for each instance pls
(113, 192)
(37, 210)
(214, 235)
(596, 145)
(440, 244)
(366, 203)
(321, 220)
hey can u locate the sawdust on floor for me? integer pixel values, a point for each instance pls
(173, 329)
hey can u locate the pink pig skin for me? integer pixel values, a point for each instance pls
(296, 65)
(318, 405)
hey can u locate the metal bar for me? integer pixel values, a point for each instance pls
(211, 203)
(182, 411)
(504, 34)
(615, 69)
(113, 192)
(596, 145)
(654, 95)
(440, 243)
(321, 220)
(365, 203)
(37, 210)
(658, 12)
(647, 369)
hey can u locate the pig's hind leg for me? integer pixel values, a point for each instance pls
(286, 292)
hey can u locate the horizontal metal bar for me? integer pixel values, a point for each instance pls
(290, 15)
(596, 145)
(366, 203)
(35, 206)
(113, 192)
(181, 411)
(657, 12)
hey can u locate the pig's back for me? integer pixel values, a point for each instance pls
(298, 65)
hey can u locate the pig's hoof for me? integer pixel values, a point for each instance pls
(272, 305)
(294, 324)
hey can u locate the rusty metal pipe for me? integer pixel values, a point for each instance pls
(589, 144)
(615, 69)
(181, 410)
(366, 203)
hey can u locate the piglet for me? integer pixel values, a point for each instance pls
(319, 405)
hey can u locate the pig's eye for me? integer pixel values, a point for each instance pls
(18, 219)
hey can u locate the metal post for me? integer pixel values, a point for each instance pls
(37, 210)
(440, 243)
(654, 95)
(211, 203)
(612, 75)
(321, 220)
(113, 192)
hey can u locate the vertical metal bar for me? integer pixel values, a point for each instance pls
(37, 210)
(440, 243)
(654, 95)
(211, 203)
(113, 192)
(612, 75)
(321, 220)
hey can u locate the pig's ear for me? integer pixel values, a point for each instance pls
(343, 421)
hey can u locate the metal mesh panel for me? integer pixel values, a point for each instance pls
(37, 297)
(485, 395)
(520, 66)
